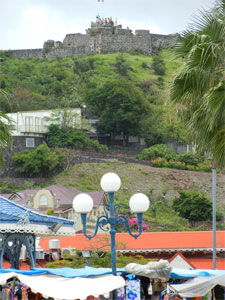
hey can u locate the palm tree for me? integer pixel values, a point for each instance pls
(5, 133)
(199, 87)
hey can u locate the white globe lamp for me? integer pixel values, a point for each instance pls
(83, 203)
(139, 203)
(110, 182)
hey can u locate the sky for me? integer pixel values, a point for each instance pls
(27, 24)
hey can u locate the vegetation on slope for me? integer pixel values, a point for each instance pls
(33, 84)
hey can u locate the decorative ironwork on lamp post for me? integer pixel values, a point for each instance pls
(110, 184)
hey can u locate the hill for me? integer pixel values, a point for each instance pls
(47, 82)
(40, 84)
(161, 185)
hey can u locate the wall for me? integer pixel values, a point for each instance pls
(163, 41)
(99, 40)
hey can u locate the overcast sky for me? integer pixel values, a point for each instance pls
(27, 24)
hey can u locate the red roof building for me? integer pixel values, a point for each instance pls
(195, 246)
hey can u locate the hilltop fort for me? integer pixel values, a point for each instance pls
(103, 37)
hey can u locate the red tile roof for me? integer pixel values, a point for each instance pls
(153, 242)
(146, 241)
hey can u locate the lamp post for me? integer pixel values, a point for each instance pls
(110, 184)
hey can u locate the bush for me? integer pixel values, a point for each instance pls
(204, 168)
(159, 162)
(136, 51)
(193, 206)
(188, 158)
(67, 137)
(83, 64)
(190, 168)
(38, 162)
(158, 65)
(159, 150)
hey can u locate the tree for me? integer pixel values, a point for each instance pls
(199, 87)
(38, 162)
(120, 107)
(5, 134)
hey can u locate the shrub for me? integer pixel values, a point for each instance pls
(144, 65)
(159, 150)
(188, 158)
(204, 168)
(83, 64)
(180, 165)
(190, 167)
(67, 137)
(193, 206)
(38, 162)
(159, 162)
(122, 66)
(158, 65)
(133, 224)
(136, 51)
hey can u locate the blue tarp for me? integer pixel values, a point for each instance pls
(187, 274)
(66, 272)
(90, 272)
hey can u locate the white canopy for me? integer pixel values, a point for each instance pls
(198, 286)
(154, 270)
(61, 288)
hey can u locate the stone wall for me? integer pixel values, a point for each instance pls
(48, 53)
(75, 40)
(163, 41)
(99, 40)
(142, 40)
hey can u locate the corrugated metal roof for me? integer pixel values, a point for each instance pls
(15, 217)
(13, 212)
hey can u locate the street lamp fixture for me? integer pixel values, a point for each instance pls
(110, 184)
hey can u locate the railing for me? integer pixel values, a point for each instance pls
(33, 129)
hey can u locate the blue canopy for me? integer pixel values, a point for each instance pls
(91, 272)
(187, 274)
(65, 272)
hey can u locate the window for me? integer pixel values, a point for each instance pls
(43, 200)
(15, 198)
(30, 142)
(29, 124)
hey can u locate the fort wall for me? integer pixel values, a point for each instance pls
(99, 40)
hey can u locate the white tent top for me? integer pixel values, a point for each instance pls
(198, 286)
(61, 288)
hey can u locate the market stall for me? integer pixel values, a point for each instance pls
(63, 283)
(198, 286)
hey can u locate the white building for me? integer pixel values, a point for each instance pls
(31, 127)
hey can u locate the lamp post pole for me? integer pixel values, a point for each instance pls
(139, 203)
(112, 233)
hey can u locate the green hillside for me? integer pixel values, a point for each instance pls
(161, 186)
(35, 84)
(48, 81)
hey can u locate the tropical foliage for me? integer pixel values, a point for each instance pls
(68, 137)
(5, 134)
(77, 261)
(162, 157)
(194, 206)
(35, 84)
(199, 87)
(120, 107)
(38, 162)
